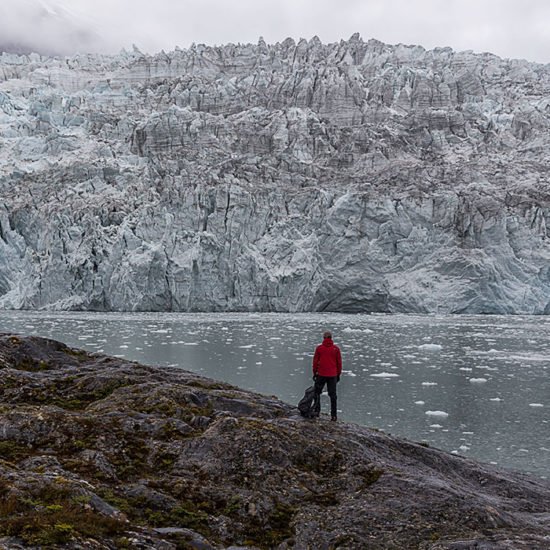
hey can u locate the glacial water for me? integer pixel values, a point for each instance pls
(472, 385)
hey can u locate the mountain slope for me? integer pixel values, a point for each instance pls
(354, 176)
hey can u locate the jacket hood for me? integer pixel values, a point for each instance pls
(328, 342)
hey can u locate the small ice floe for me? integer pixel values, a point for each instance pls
(536, 405)
(430, 347)
(123, 346)
(409, 356)
(362, 330)
(495, 399)
(385, 375)
(464, 448)
(349, 373)
(429, 383)
(436, 426)
(247, 346)
(419, 402)
(160, 331)
(465, 369)
(477, 380)
(259, 363)
(439, 414)
(191, 344)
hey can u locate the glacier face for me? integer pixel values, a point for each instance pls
(349, 177)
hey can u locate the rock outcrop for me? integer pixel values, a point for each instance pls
(354, 176)
(98, 452)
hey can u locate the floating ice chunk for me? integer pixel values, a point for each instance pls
(464, 448)
(436, 426)
(430, 347)
(478, 380)
(495, 399)
(465, 369)
(385, 375)
(123, 346)
(429, 383)
(536, 405)
(247, 346)
(419, 402)
(439, 414)
(349, 373)
(191, 344)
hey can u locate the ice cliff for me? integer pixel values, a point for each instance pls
(354, 176)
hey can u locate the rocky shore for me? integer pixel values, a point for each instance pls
(101, 453)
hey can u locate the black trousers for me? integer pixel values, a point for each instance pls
(330, 381)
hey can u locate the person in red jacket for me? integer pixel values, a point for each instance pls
(327, 368)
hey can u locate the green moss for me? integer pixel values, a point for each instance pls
(275, 530)
(30, 365)
(321, 461)
(49, 516)
(186, 514)
(328, 498)
(208, 385)
(79, 354)
(69, 404)
(233, 507)
(372, 476)
(13, 451)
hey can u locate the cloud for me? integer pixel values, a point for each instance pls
(509, 28)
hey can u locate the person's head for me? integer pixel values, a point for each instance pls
(327, 334)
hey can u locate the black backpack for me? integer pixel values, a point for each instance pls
(306, 404)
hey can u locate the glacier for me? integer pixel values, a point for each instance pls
(300, 176)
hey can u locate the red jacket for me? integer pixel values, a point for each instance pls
(327, 360)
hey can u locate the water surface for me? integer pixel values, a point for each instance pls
(473, 385)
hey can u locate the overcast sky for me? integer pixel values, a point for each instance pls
(509, 28)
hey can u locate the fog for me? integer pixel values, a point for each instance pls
(509, 28)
